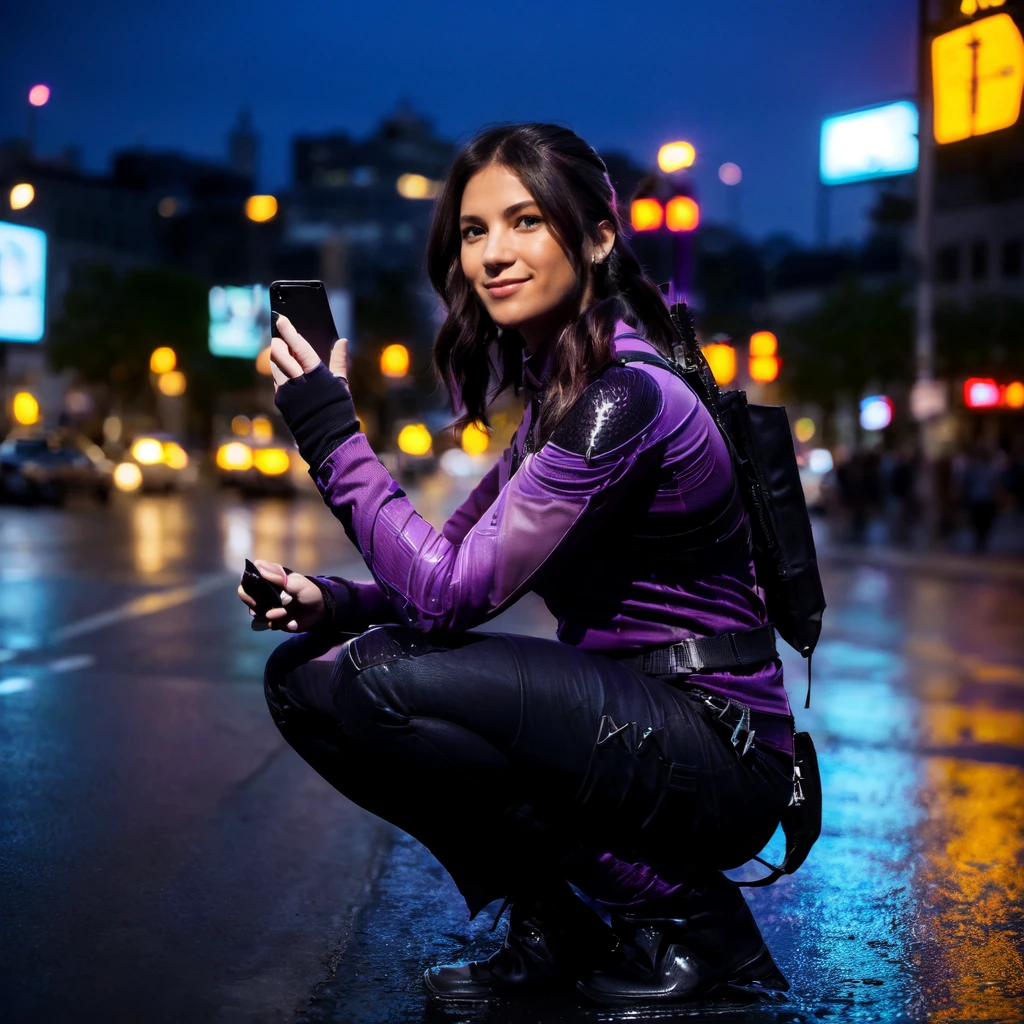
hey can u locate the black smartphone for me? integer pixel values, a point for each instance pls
(260, 589)
(306, 306)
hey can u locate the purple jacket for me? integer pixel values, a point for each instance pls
(578, 522)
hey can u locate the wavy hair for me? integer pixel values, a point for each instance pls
(570, 184)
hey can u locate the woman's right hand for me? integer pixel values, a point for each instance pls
(302, 600)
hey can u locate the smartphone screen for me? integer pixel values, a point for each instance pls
(306, 306)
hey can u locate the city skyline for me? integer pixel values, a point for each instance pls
(120, 81)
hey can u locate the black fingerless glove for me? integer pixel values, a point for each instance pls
(340, 602)
(319, 412)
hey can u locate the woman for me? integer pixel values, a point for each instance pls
(527, 764)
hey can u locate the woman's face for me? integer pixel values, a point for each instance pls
(513, 261)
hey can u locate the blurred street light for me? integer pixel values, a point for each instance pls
(22, 195)
(676, 156)
(163, 359)
(148, 451)
(681, 214)
(25, 409)
(414, 439)
(39, 95)
(175, 456)
(646, 214)
(721, 358)
(876, 412)
(394, 361)
(263, 362)
(171, 384)
(1013, 396)
(730, 174)
(241, 425)
(804, 429)
(261, 208)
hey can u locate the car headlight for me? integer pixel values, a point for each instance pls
(148, 451)
(234, 456)
(271, 461)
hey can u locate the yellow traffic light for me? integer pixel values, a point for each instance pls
(261, 208)
(681, 214)
(22, 195)
(25, 409)
(394, 361)
(676, 156)
(721, 359)
(163, 360)
(646, 214)
(978, 78)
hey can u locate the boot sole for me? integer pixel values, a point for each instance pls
(758, 978)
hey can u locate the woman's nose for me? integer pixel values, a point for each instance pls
(498, 253)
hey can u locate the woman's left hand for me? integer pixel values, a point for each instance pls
(291, 355)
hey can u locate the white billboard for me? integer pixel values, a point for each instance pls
(877, 142)
(22, 283)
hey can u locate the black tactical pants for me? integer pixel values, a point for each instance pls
(516, 759)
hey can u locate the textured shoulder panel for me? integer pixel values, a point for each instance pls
(617, 406)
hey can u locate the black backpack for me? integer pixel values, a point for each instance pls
(761, 444)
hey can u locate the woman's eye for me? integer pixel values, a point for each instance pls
(472, 231)
(529, 220)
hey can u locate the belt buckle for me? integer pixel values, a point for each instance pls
(741, 731)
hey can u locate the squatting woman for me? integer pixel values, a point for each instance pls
(600, 782)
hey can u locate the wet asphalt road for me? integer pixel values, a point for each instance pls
(165, 857)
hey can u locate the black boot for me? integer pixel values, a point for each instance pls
(703, 943)
(550, 943)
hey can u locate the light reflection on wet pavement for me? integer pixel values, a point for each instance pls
(908, 909)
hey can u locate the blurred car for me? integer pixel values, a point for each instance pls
(258, 466)
(155, 461)
(48, 468)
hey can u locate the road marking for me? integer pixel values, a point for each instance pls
(147, 604)
(70, 664)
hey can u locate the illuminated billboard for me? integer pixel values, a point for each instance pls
(978, 78)
(239, 320)
(22, 283)
(878, 142)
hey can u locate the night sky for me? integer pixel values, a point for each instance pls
(743, 81)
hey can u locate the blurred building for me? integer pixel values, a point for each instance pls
(372, 194)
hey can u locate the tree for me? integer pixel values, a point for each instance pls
(111, 323)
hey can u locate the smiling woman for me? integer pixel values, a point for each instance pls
(531, 766)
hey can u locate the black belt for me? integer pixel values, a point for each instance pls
(708, 654)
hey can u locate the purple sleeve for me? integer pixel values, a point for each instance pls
(554, 502)
(469, 512)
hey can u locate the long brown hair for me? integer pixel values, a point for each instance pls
(570, 184)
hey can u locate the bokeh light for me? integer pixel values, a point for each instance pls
(171, 384)
(39, 95)
(175, 456)
(127, 477)
(241, 425)
(876, 412)
(763, 343)
(804, 429)
(234, 456)
(722, 361)
(271, 461)
(730, 174)
(475, 439)
(148, 451)
(167, 207)
(414, 439)
(262, 428)
(394, 361)
(25, 409)
(676, 156)
(646, 214)
(163, 360)
(416, 186)
(261, 208)
(22, 195)
(1014, 395)
(681, 214)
